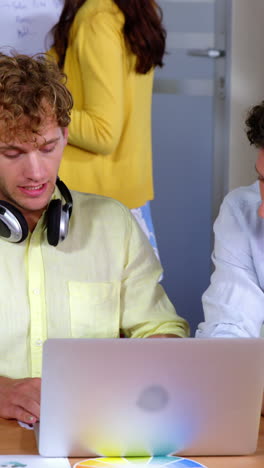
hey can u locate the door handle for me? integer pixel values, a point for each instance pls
(209, 53)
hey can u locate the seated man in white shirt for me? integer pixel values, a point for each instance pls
(72, 264)
(234, 302)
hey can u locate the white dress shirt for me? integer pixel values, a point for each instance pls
(234, 302)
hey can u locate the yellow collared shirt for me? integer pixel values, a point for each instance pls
(102, 280)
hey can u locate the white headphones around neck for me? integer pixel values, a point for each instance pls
(14, 227)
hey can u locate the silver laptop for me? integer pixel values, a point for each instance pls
(141, 397)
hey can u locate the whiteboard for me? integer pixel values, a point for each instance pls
(24, 24)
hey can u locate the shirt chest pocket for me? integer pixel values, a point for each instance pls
(94, 309)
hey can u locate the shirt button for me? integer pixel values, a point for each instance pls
(38, 342)
(36, 291)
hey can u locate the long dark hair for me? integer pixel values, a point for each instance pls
(143, 31)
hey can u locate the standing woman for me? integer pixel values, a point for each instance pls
(109, 49)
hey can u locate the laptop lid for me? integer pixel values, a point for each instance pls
(137, 397)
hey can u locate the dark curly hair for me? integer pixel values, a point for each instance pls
(143, 31)
(32, 90)
(255, 125)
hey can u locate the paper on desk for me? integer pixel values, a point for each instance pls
(32, 461)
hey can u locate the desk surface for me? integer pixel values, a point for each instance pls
(17, 440)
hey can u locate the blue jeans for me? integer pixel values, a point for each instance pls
(144, 219)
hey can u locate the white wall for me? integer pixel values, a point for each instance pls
(247, 84)
(24, 24)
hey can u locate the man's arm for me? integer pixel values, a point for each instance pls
(146, 311)
(234, 302)
(20, 399)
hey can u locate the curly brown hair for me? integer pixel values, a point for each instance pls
(32, 91)
(255, 125)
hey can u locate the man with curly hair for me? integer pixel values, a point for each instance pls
(234, 302)
(102, 281)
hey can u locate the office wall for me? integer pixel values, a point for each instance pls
(246, 84)
(24, 24)
(183, 128)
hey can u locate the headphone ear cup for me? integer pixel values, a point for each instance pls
(53, 222)
(15, 228)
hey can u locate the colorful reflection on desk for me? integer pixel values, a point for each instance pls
(139, 462)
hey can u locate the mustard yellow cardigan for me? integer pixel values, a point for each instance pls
(109, 150)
